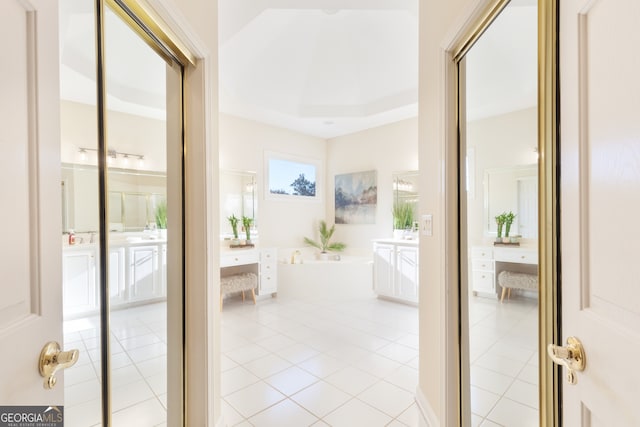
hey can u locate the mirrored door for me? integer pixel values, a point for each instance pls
(123, 247)
(499, 234)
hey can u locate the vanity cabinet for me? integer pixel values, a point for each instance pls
(483, 271)
(263, 262)
(79, 278)
(395, 269)
(268, 271)
(487, 262)
(144, 273)
(137, 273)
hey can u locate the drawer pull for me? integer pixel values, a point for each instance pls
(483, 277)
(522, 257)
(237, 259)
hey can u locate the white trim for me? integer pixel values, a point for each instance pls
(221, 422)
(201, 242)
(428, 417)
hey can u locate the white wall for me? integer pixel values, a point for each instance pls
(126, 133)
(439, 22)
(385, 149)
(281, 223)
(499, 141)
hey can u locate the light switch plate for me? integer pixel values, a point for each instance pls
(427, 225)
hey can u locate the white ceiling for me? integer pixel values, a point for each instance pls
(320, 67)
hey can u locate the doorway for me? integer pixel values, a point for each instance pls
(123, 251)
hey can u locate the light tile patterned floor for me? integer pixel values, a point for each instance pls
(295, 363)
(504, 362)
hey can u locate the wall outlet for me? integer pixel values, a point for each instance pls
(427, 225)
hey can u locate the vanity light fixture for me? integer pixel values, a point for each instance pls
(112, 156)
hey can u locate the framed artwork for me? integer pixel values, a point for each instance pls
(356, 198)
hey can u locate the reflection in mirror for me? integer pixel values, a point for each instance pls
(498, 137)
(405, 191)
(133, 196)
(512, 189)
(238, 196)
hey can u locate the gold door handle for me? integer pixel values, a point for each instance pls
(571, 357)
(53, 359)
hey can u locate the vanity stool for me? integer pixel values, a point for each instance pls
(238, 283)
(511, 280)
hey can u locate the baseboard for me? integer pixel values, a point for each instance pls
(427, 415)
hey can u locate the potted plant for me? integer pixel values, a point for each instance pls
(161, 218)
(500, 220)
(246, 224)
(508, 221)
(402, 218)
(325, 244)
(233, 220)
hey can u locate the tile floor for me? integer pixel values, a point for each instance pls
(295, 363)
(504, 362)
(138, 363)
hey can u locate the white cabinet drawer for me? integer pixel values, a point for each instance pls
(483, 264)
(483, 282)
(267, 268)
(239, 259)
(268, 255)
(517, 255)
(481, 252)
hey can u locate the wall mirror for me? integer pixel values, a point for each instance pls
(133, 197)
(512, 189)
(405, 192)
(238, 196)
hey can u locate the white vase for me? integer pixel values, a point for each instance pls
(398, 233)
(323, 256)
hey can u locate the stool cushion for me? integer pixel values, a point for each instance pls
(238, 282)
(511, 279)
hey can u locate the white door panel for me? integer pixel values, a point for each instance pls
(31, 291)
(600, 157)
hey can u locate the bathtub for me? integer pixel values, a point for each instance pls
(349, 278)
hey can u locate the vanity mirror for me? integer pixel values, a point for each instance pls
(133, 197)
(238, 196)
(405, 193)
(512, 189)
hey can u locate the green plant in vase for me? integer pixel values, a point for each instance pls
(402, 217)
(233, 220)
(500, 221)
(325, 244)
(161, 214)
(246, 224)
(508, 221)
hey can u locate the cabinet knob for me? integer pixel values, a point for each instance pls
(522, 257)
(483, 276)
(482, 253)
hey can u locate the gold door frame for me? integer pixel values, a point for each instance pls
(548, 185)
(166, 44)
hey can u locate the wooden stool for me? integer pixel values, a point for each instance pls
(238, 283)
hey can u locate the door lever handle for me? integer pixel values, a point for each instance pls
(52, 360)
(571, 357)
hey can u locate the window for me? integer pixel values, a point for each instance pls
(291, 177)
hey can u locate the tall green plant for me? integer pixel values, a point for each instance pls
(508, 221)
(500, 221)
(402, 215)
(325, 244)
(233, 220)
(246, 223)
(161, 214)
